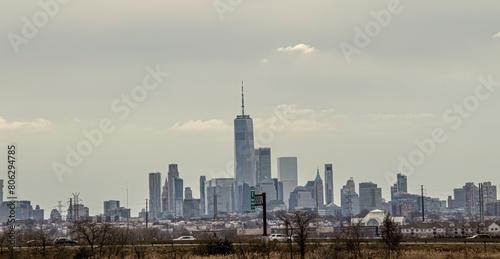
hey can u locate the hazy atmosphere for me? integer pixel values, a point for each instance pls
(98, 94)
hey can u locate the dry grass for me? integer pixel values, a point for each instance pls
(338, 250)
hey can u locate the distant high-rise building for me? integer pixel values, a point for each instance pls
(38, 214)
(155, 194)
(188, 193)
(173, 173)
(202, 194)
(402, 183)
(471, 199)
(191, 208)
(263, 167)
(268, 186)
(370, 196)
(164, 196)
(394, 189)
(178, 185)
(287, 175)
(244, 156)
(349, 199)
(489, 193)
(458, 198)
(316, 189)
(318, 186)
(1, 190)
(329, 184)
(301, 198)
(220, 196)
(109, 205)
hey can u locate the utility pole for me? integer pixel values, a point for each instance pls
(215, 195)
(481, 203)
(262, 202)
(317, 208)
(146, 213)
(423, 210)
(75, 208)
(70, 210)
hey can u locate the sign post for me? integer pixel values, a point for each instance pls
(252, 198)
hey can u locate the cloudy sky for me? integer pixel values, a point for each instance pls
(361, 85)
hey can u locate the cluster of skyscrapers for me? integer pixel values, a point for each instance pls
(222, 196)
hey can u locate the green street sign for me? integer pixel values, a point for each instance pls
(252, 198)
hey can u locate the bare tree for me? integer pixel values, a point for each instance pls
(391, 234)
(92, 233)
(298, 223)
(43, 235)
(354, 236)
(119, 239)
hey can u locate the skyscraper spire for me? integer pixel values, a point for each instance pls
(242, 100)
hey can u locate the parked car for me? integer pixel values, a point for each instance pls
(278, 237)
(65, 241)
(185, 238)
(294, 237)
(33, 243)
(479, 236)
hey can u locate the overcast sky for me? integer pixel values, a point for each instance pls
(351, 83)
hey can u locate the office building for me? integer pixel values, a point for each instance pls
(173, 173)
(244, 156)
(178, 186)
(268, 186)
(329, 184)
(110, 205)
(288, 176)
(165, 207)
(402, 183)
(459, 198)
(191, 208)
(301, 198)
(489, 193)
(349, 199)
(370, 196)
(220, 196)
(38, 214)
(202, 194)
(155, 194)
(471, 199)
(263, 167)
(316, 189)
(188, 193)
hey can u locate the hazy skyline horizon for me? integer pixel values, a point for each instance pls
(360, 85)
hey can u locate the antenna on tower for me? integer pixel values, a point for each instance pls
(242, 100)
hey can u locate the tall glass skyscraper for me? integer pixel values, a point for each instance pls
(328, 183)
(155, 194)
(263, 157)
(244, 156)
(288, 176)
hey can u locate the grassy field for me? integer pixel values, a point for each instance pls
(261, 251)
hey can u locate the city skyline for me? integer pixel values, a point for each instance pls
(94, 106)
